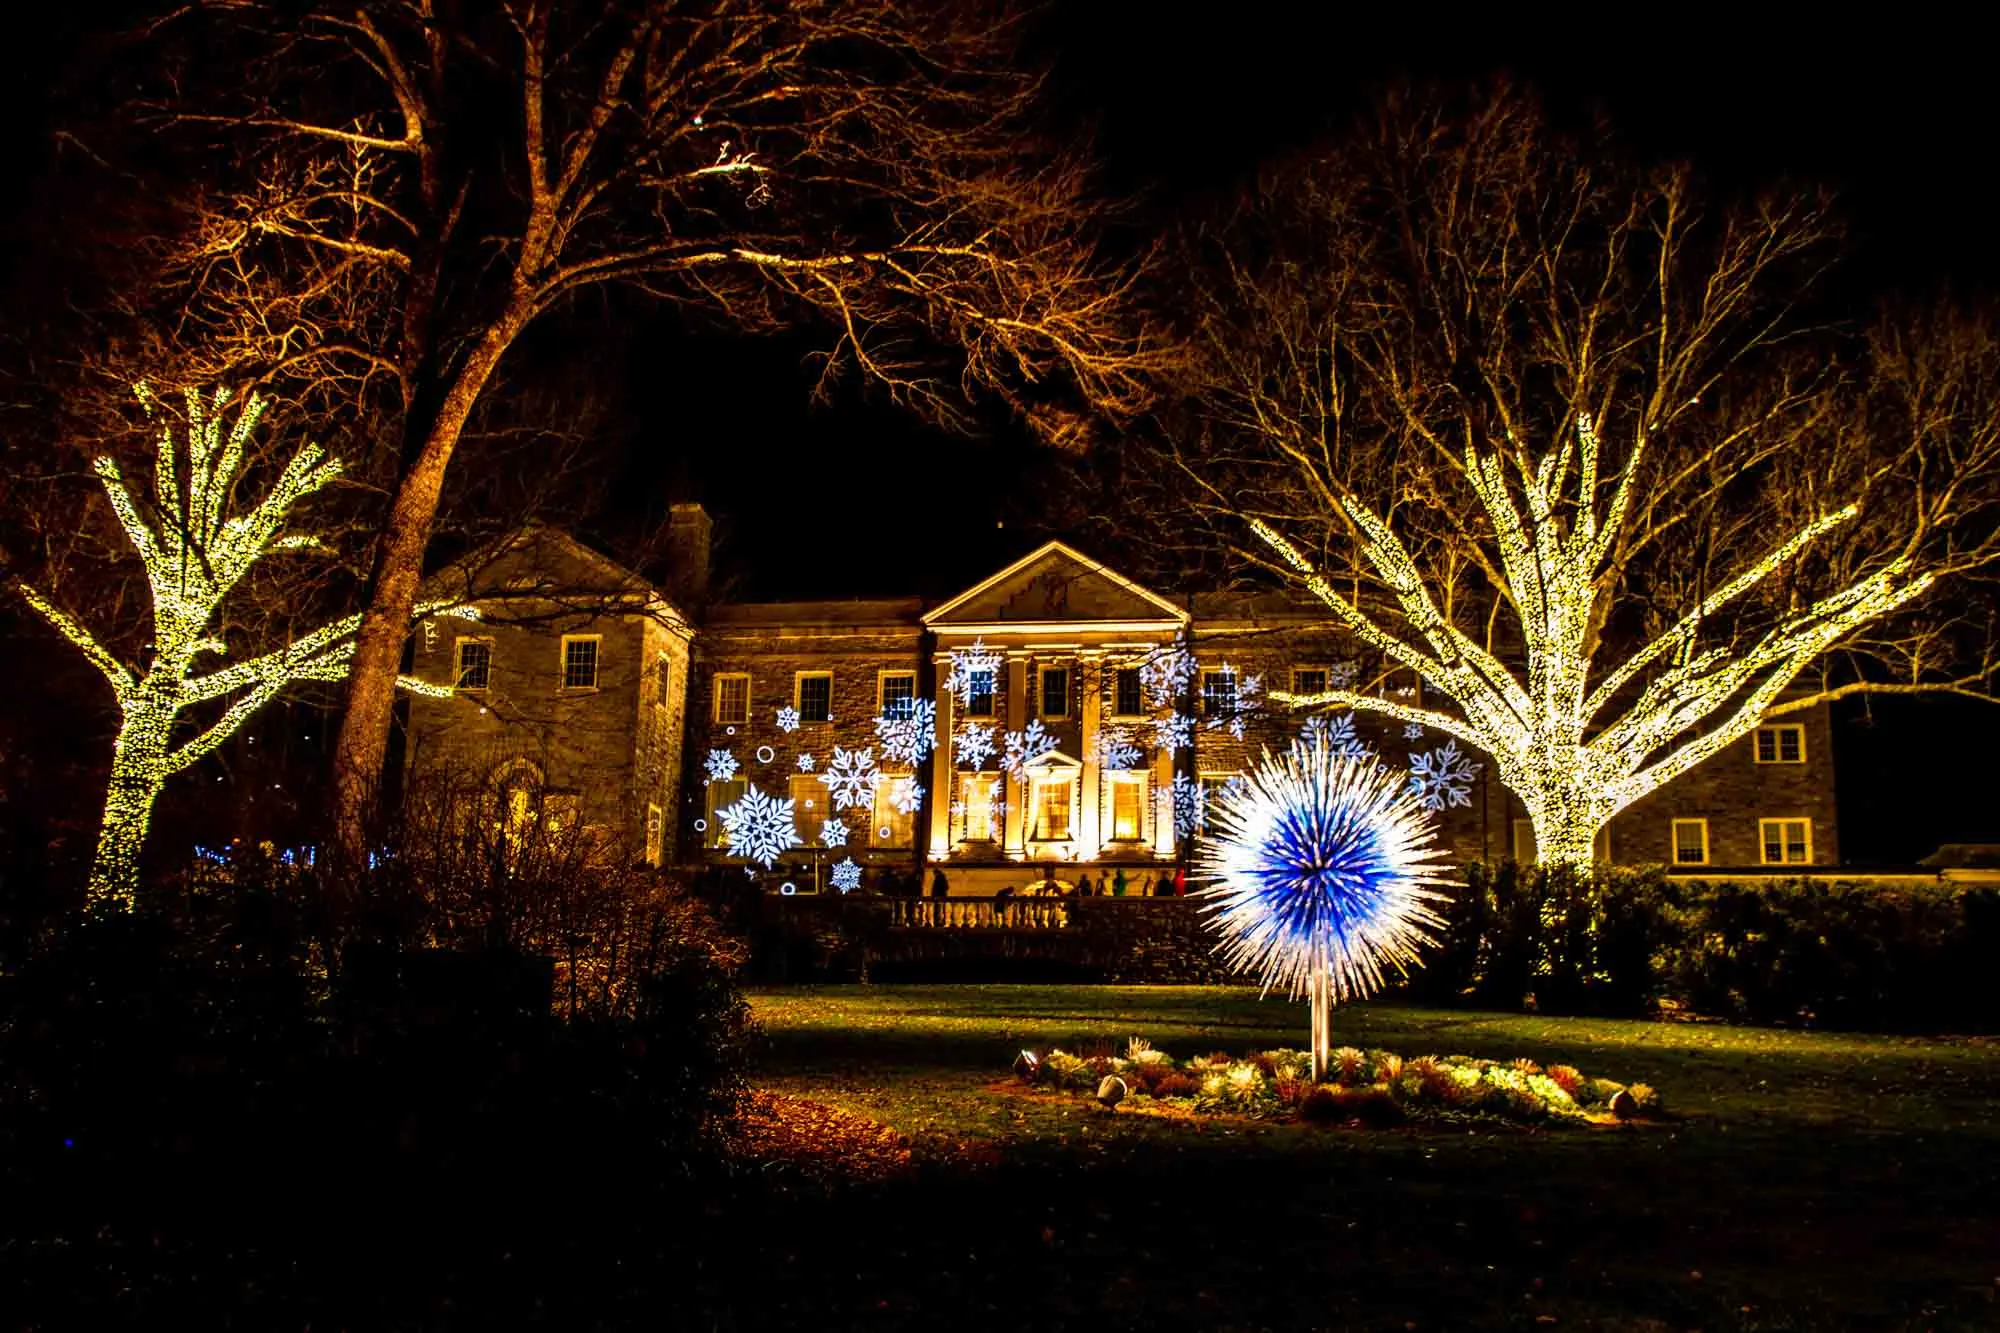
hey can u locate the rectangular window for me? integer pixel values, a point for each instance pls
(722, 795)
(896, 695)
(579, 661)
(1128, 800)
(475, 663)
(1218, 691)
(1212, 787)
(1052, 800)
(1308, 680)
(1055, 692)
(1690, 842)
(1524, 841)
(663, 680)
(1128, 693)
(655, 826)
(975, 794)
(1786, 842)
(979, 693)
(812, 695)
(809, 807)
(732, 698)
(892, 827)
(1784, 743)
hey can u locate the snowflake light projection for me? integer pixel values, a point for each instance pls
(974, 745)
(721, 765)
(788, 718)
(846, 876)
(805, 763)
(1187, 807)
(1341, 675)
(1117, 750)
(850, 777)
(1336, 733)
(833, 833)
(1175, 732)
(1323, 870)
(760, 827)
(1025, 746)
(905, 792)
(1167, 675)
(1443, 777)
(1413, 731)
(967, 664)
(908, 739)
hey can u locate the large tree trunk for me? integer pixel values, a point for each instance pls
(363, 743)
(138, 771)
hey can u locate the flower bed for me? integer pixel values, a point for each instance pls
(1375, 1087)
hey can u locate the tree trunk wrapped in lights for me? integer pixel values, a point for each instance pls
(198, 544)
(1529, 425)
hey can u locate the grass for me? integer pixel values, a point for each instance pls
(1812, 1181)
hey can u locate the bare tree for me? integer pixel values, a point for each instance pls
(1536, 426)
(397, 190)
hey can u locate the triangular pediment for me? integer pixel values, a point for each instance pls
(1055, 585)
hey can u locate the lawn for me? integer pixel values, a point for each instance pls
(1809, 1181)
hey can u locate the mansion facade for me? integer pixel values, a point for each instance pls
(1056, 720)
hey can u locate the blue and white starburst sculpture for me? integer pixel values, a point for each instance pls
(1324, 869)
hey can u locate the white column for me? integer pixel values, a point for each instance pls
(942, 767)
(1090, 828)
(1017, 788)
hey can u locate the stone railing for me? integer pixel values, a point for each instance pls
(979, 914)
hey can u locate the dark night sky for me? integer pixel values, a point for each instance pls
(1896, 115)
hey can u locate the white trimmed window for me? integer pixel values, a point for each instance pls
(1053, 797)
(975, 794)
(1055, 692)
(722, 795)
(1128, 807)
(809, 807)
(1690, 837)
(732, 697)
(579, 661)
(1309, 680)
(1212, 787)
(892, 827)
(663, 680)
(655, 831)
(980, 692)
(896, 695)
(1128, 693)
(475, 664)
(1218, 691)
(1785, 842)
(812, 695)
(1781, 743)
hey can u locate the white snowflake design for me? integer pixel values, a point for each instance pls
(974, 745)
(805, 763)
(833, 833)
(1025, 746)
(905, 793)
(1335, 732)
(908, 739)
(846, 875)
(850, 777)
(750, 872)
(788, 718)
(1187, 806)
(1443, 777)
(1413, 731)
(721, 765)
(1117, 751)
(969, 662)
(1167, 674)
(1341, 675)
(760, 827)
(1174, 732)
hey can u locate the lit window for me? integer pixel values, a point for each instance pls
(975, 793)
(1055, 692)
(1218, 691)
(1128, 691)
(814, 696)
(663, 675)
(898, 691)
(579, 661)
(1212, 787)
(892, 826)
(1128, 800)
(1690, 842)
(979, 693)
(475, 664)
(1524, 841)
(1052, 800)
(655, 826)
(1781, 744)
(809, 807)
(1309, 680)
(732, 698)
(1786, 842)
(722, 795)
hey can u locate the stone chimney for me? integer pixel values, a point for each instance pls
(688, 529)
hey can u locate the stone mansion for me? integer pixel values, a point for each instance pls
(645, 712)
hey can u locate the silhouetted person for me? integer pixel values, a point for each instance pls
(940, 886)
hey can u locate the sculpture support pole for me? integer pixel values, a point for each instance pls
(1322, 1020)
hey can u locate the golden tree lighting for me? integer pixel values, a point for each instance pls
(198, 543)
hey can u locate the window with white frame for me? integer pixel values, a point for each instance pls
(663, 680)
(893, 827)
(809, 807)
(1782, 743)
(812, 695)
(980, 689)
(1690, 842)
(732, 697)
(1785, 842)
(1053, 796)
(896, 695)
(1055, 692)
(1212, 787)
(475, 664)
(1128, 693)
(579, 661)
(655, 833)
(1128, 806)
(1218, 691)
(976, 793)
(721, 795)
(1309, 680)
